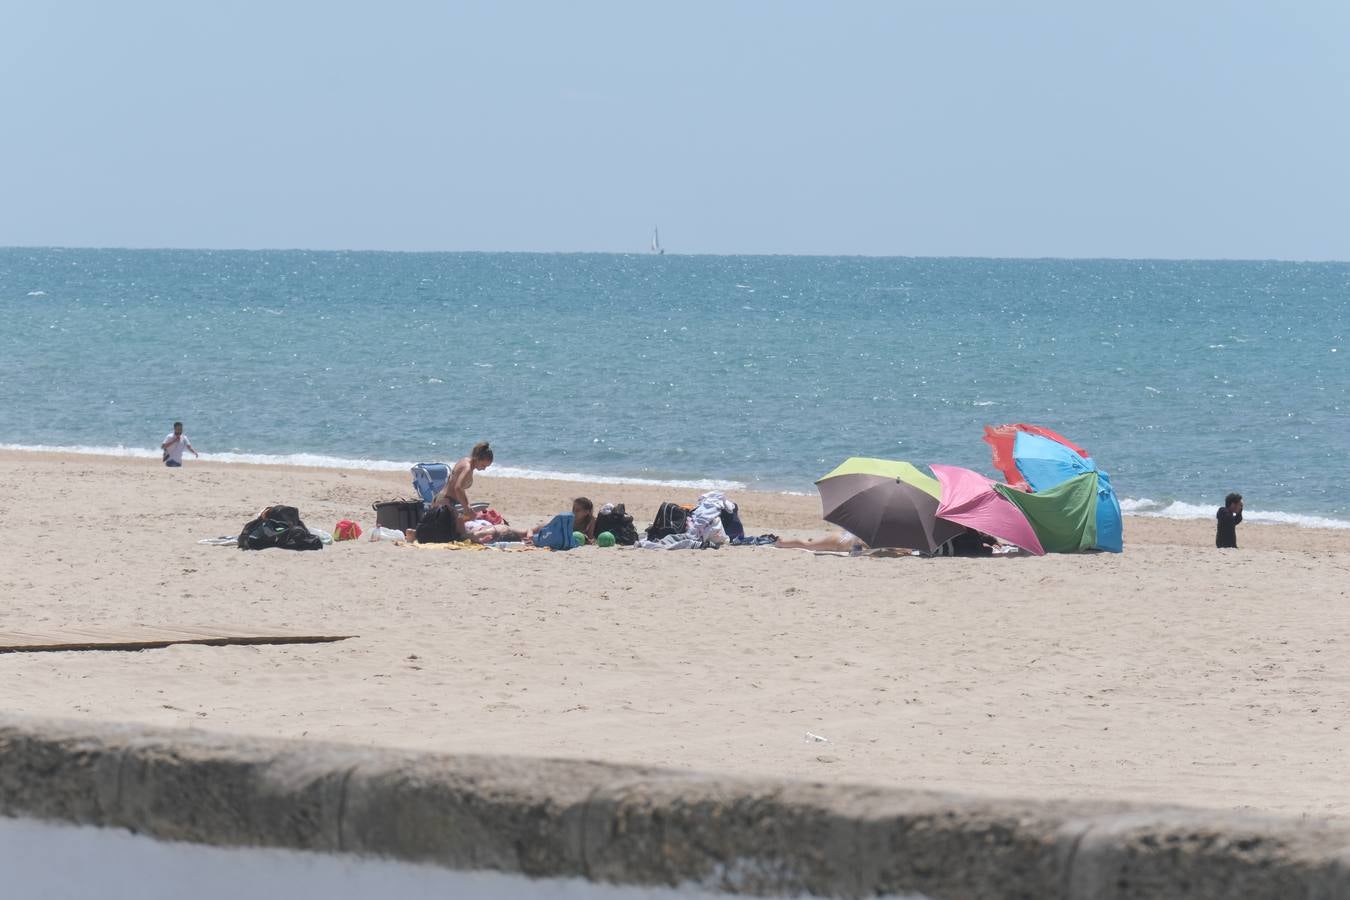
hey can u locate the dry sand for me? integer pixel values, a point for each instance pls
(1171, 673)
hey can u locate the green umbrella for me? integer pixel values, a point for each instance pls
(885, 503)
(1064, 517)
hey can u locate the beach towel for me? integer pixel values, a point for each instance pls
(452, 545)
(677, 542)
(754, 541)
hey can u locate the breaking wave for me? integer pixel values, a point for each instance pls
(319, 461)
(1177, 509)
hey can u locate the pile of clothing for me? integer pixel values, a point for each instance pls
(714, 521)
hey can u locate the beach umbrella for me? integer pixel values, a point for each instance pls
(1074, 515)
(1046, 463)
(885, 503)
(969, 499)
(1002, 439)
(1037, 459)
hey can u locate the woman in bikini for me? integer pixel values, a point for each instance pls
(440, 527)
(457, 486)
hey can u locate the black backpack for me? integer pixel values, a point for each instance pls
(440, 525)
(278, 526)
(618, 523)
(671, 518)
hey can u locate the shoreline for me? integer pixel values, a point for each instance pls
(1130, 506)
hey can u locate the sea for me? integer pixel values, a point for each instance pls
(1184, 379)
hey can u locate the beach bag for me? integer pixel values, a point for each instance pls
(671, 518)
(731, 522)
(278, 526)
(399, 515)
(618, 523)
(439, 526)
(557, 534)
(346, 530)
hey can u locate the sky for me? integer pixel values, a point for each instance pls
(1216, 130)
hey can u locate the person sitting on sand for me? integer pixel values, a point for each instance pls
(1229, 517)
(456, 490)
(839, 542)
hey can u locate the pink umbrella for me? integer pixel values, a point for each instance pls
(968, 498)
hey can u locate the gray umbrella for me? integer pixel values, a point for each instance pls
(885, 511)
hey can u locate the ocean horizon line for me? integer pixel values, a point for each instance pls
(1140, 507)
(674, 253)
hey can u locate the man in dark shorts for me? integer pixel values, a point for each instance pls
(1230, 517)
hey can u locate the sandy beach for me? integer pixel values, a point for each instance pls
(1172, 673)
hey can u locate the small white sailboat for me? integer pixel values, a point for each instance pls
(656, 243)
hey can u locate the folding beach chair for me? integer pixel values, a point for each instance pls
(429, 480)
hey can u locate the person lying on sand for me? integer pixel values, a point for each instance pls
(839, 542)
(481, 531)
(583, 517)
(969, 543)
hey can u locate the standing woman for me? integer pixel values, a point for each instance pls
(457, 486)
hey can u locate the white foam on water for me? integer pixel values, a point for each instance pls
(702, 484)
(1177, 509)
(259, 459)
(319, 461)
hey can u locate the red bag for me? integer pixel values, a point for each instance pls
(346, 530)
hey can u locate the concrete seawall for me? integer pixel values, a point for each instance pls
(547, 818)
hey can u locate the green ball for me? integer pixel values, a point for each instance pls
(578, 538)
(605, 539)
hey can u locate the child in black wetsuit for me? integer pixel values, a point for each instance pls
(1230, 517)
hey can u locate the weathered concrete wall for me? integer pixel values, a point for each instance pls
(645, 826)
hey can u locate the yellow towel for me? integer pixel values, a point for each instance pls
(458, 545)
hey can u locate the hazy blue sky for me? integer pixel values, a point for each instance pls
(1176, 129)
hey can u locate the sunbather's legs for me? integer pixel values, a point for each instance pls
(839, 542)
